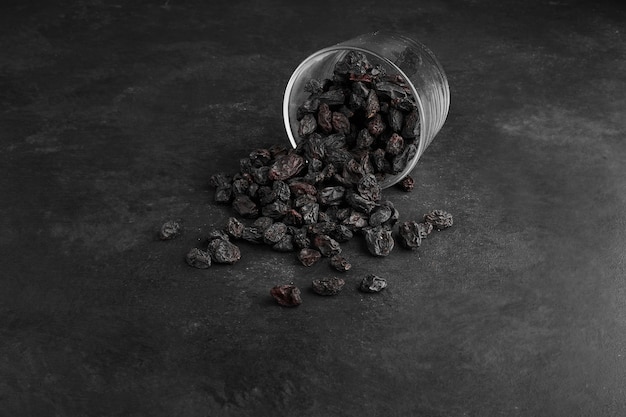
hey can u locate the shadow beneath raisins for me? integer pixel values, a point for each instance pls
(267, 302)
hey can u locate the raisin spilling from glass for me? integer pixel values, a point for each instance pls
(356, 127)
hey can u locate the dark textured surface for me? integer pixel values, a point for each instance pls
(112, 118)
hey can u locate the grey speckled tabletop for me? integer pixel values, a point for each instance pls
(113, 116)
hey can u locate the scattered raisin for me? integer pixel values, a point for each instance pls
(309, 256)
(340, 263)
(373, 283)
(440, 219)
(224, 252)
(287, 295)
(169, 230)
(409, 235)
(234, 228)
(407, 184)
(326, 245)
(379, 240)
(327, 286)
(198, 258)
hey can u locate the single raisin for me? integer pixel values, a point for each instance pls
(326, 245)
(287, 295)
(340, 263)
(409, 235)
(373, 283)
(440, 219)
(309, 256)
(234, 228)
(275, 233)
(407, 184)
(327, 286)
(198, 258)
(379, 240)
(169, 230)
(223, 252)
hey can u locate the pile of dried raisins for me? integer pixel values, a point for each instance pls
(355, 128)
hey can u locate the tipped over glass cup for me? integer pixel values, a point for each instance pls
(410, 85)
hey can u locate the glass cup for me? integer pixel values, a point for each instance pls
(398, 54)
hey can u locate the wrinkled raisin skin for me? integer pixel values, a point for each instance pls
(327, 286)
(169, 230)
(440, 219)
(198, 258)
(373, 284)
(287, 295)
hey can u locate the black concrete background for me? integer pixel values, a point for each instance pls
(113, 115)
